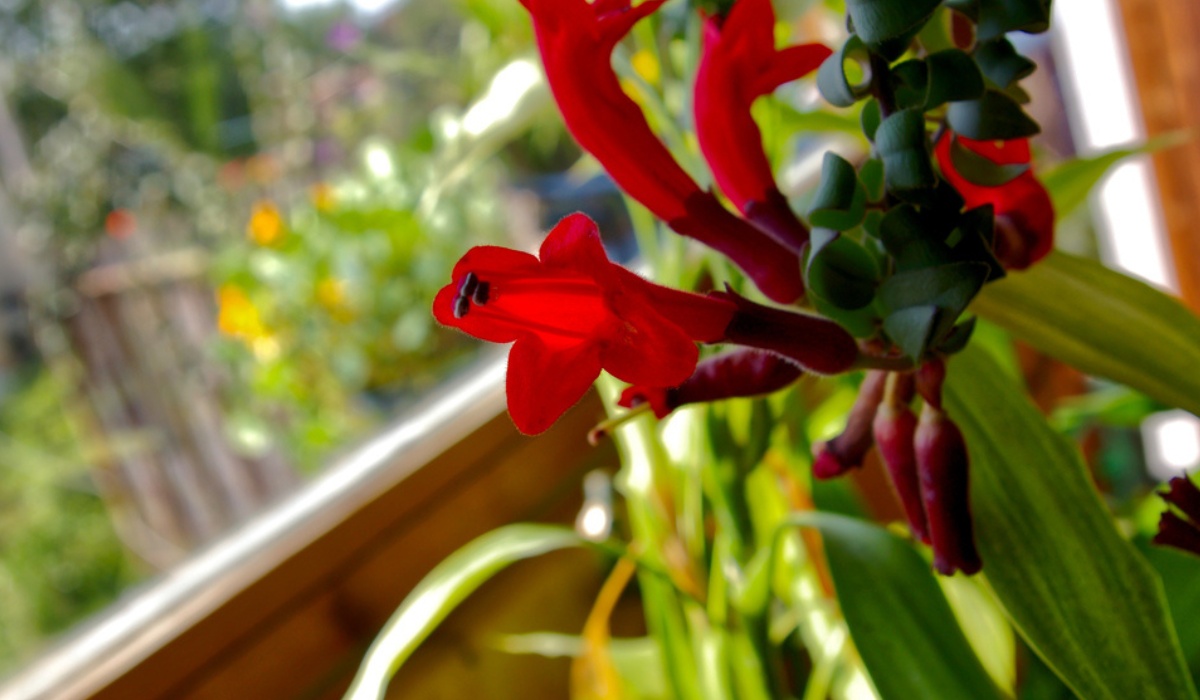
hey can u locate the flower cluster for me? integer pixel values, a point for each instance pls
(896, 263)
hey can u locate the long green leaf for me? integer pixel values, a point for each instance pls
(1070, 182)
(901, 623)
(1080, 595)
(442, 590)
(1104, 323)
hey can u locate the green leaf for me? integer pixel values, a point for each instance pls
(840, 271)
(995, 116)
(1001, 64)
(996, 17)
(948, 286)
(981, 170)
(442, 590)
(1103, 323)
(912, 329)
(903, 145)
(1071, 181)
(869, 119)
(901, 623)
(871, 177)
(1080, 595)
(835, 86)
(953, 77)
(878, 21)
(910, 84)
(840, 201)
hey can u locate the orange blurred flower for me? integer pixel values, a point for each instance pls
(266, 225)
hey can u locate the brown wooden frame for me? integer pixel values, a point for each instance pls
(285, 606)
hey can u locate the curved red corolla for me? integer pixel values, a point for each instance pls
(739, 64)
(569, 313)
(1024, 211)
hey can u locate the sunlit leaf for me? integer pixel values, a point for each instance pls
(901, 623)
(442, 590)
(1103, 323)
(1080, 595)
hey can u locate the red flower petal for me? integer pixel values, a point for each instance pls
(1023, 208)
(543, 381)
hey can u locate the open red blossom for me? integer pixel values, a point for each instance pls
(576, 39)
(569, 313)
(1024, 211)
(739, 64)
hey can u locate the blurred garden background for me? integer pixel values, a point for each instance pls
(222, 224)
(221, 227)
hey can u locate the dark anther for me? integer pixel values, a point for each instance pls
(468, 285)
(461, 306)
(481, 293)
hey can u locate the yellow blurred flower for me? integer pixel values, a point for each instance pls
(331, 296)
(645, 64)
(237, 316)
(266, 225)
(322, 197)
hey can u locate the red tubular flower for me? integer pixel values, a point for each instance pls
(1024, 212)
(576, 39)
(847, 450)
(738, 373)
(894, 428)
(569, 313)
(1181, 533)
(815, 343)
(942, 466)
(740, 64)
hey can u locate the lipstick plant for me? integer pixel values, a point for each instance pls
(833, 329)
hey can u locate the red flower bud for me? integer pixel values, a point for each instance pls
(817, 344)
(929, 378)
(894, 428)
(1181, 532)
(942, 465)
(846, 451)
(732, 374)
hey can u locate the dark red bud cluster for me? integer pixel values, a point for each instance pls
(942, 467)
(1173, 530)
(926, 460)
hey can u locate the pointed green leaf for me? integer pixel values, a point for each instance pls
(903, 145)
(442, 590)
(878, 21)
(838, 88)
(840, 201)
(912, 329)
(1103, 323)
(1070, 182)
(953, 76)
(980, 170)
(996, 17)
(901, 623)
(840, 271)
(1001, 64)
(1080, 595)
(995, 116)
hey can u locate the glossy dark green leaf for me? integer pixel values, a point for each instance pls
(901, 624)
(840, 201)
(869, 119)
(442, 590)
(951, 286)
(878, 21)
(835, 86)
(910, 84)
(913, 328)
(970, 8)
(980, 170)
(995, 116)
(871, 177)
(996, 17)
(1080, 595)
(1104, 323)
(953, 77)
(1001, 64)
(840, 271)
(914, 238)
(903, 146)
